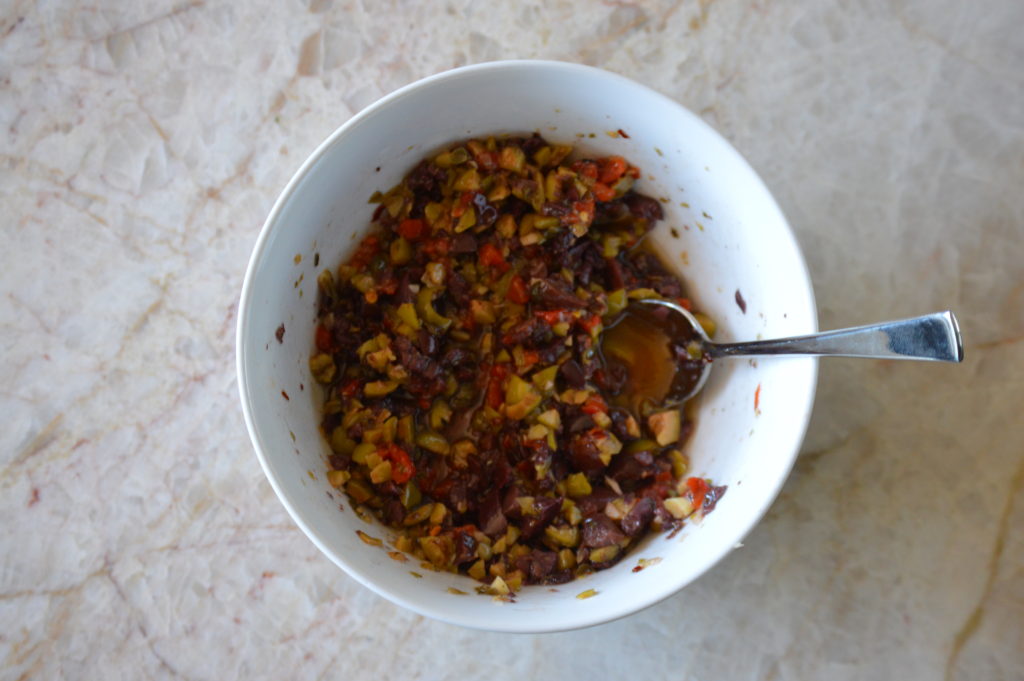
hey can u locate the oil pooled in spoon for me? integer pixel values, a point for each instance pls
(650, 346)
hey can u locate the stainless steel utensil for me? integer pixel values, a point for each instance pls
(933, 337)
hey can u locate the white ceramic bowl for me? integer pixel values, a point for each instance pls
(732, 236)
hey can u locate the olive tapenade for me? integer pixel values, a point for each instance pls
(468, 403)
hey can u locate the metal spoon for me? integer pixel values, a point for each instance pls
(934, 337)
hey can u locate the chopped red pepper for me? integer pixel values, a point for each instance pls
(611, 169)
(352, 387)
(412, 229)
(517, 291)
(698, 490)
(586, 168)
(584, 210)
(488, 160)
(594, 404)
(402, 467)
(368, 248)
(490, 256)
(438, 247)
(495, 394)
(460, 207)
(685, 303)
(467, 321)
(552, 317)
(324, 339)
(603, 192)
(590, 323)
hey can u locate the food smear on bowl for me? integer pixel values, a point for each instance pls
(469, 399)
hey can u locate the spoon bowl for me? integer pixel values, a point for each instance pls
(934, 337)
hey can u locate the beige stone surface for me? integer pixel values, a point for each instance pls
(141, 146)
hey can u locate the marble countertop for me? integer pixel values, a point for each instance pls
(141, 146)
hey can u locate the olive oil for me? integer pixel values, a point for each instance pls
(651, 347)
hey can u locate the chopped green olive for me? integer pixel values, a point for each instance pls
(322, 367)
(447, 159)
(379, 388)
(617, 301)
(341, 443)
(439, 414)
(578, 485)
(401, 251)
(426, 311)
(433, 442)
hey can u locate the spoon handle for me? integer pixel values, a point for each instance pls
(934, 337)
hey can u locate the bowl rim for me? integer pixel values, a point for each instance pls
(454, 616)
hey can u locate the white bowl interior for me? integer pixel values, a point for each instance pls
(732, 237)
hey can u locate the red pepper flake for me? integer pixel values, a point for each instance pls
(757, 399)
(622, 133)
(685, 304)
(517, 291)
(279, 335)
(285, 395)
